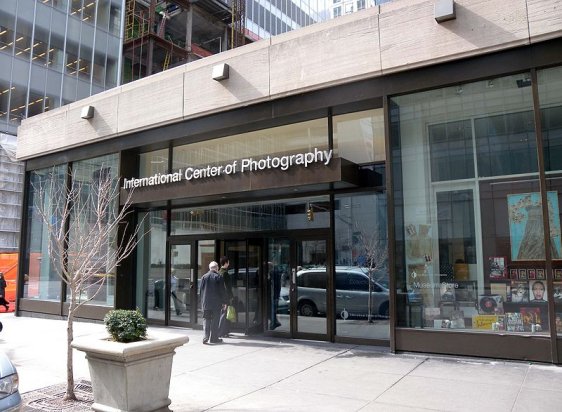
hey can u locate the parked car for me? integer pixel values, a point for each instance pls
(10, 399)
(352, 293)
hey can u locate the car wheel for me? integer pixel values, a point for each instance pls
(307, 308)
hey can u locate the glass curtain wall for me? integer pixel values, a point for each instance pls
(469, 225)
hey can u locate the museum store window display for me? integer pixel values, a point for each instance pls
(470, 254)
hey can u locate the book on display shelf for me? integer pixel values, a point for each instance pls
(513, 322)
(530, 316)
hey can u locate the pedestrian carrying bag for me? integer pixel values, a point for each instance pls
(231, 313)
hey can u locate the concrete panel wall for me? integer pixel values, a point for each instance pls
(410, 36)
(104, 122)
(152, 101)
(545, 19)
(393, 37)
(248, 80)
(340, 50)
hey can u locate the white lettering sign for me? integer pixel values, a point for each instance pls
(246, 165)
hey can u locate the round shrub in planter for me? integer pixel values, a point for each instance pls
(125, 325)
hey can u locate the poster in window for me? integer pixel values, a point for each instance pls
(558, 292)
(526, 226)
(497, 267)
(519, 292)
(530, 317)
(537, 289)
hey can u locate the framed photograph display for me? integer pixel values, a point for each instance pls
(497, 267)
(513, 274)
(531, 274)
(519, 291)
(558, 274)
(525, 225)
(541, 274)
(522, 274)
(537, 291)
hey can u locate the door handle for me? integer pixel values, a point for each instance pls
(294, 276)
(191, 278)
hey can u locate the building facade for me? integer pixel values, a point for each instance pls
(369, 183)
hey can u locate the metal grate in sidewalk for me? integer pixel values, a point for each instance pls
(50, 399)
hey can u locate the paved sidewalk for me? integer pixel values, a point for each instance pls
(262, 374)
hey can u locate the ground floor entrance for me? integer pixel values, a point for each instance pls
(265, 283)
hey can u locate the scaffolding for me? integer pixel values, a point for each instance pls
(11, 188)
(163, 34)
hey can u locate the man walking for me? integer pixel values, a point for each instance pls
(213, 299)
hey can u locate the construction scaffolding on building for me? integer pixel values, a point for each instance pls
(162, 34)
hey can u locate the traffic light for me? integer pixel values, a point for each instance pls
(310, 214)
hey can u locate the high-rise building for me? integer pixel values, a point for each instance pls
(52, 52)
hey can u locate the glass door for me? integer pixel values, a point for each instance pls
(180, 285)
(245, 270)
(310, 285)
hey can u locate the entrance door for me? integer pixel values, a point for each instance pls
(245, 271)
(298, 284)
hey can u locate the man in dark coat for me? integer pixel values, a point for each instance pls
(213, 299)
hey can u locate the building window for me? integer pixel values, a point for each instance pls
(41, 279)
(349, 8)
(550, 97)
(361, 254)
(360, 4)
(337, 11)
(470, 251)
(359, 137)
(292, 138)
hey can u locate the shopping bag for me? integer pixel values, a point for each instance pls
(231, 313)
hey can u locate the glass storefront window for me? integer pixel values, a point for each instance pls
(359, 137)
(41, 279)
(289, 139)
(550, 97)
(362, 275)
(151, 264)
(470, 242)
(255, 216)
(86, 173)
(153, 162)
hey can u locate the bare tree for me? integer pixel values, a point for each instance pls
(82, 221)
(374, 247)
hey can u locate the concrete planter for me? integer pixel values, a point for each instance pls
(130, 376)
